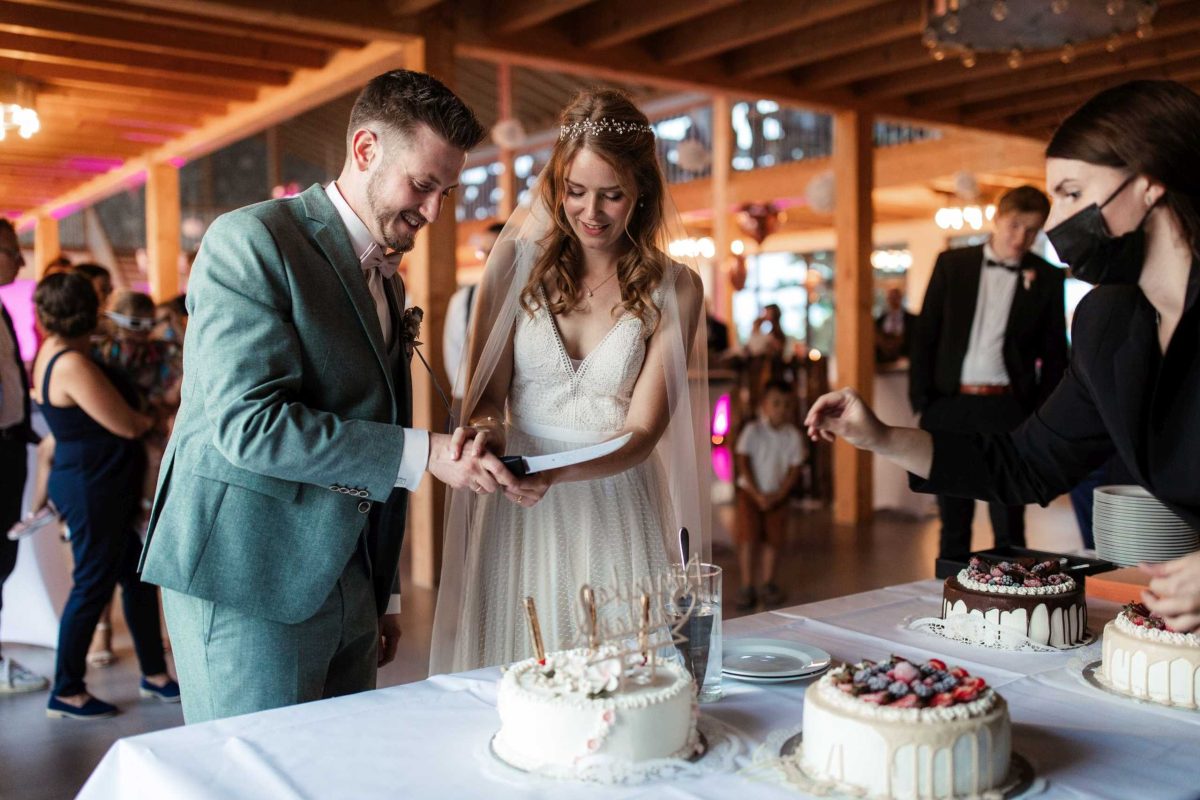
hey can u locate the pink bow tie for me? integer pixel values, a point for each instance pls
(386, 263)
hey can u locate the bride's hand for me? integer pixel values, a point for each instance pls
(528, 491)
(476, 440)
(487, 433)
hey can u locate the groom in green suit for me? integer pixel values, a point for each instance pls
(276, 529)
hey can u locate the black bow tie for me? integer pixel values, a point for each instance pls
(1010, 267)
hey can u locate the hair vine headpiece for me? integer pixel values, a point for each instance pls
(603, 126)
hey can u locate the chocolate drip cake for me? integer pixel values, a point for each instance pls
(1034, 599)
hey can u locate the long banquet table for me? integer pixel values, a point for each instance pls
(430, 739)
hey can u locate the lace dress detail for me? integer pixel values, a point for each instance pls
(582, 532)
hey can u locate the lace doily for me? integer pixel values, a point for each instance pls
(770, 765)
(722, 746)
(979, 631)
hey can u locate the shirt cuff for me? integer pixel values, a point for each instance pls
(393, 606)
(414, 459)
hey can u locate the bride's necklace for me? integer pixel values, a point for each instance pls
(591, 290)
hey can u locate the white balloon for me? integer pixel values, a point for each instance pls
(820, 193)
(692, 155)
(966, 185)
(508, 133)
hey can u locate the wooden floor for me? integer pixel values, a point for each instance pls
(43, 759)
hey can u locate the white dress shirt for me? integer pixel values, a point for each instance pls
(415, 457)
(984, 361)
(12, 390)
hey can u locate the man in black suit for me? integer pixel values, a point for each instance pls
(990, 346)
(894, 329)
(15, 435)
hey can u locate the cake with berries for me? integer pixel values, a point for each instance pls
(1036, 600)
(1144, 658)
(899, 729)
(576, 708)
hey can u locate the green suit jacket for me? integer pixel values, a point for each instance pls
(289, 432)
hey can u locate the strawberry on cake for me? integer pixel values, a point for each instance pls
(1034, 599)
(899, 729)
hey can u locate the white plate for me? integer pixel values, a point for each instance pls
(803, 676)
(771, 658)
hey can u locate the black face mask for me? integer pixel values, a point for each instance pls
(1094, 255)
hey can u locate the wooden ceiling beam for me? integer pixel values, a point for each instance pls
(615, 22)
(126, 10)
(1025, 102)
(61, 51)
(111, 80)
(346, 71)
(76, 25)
(55, 109)
(93, 98)
(856, 66)
(510, 16)
(848, 34)
(928, 83)
(630, 64)
(356, 20)
(1148, 55)
(746, 23)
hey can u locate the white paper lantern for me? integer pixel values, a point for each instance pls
(692, 156)
(966, 185)
(820, 193)
(508, 134)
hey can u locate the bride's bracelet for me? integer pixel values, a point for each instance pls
(486, 420)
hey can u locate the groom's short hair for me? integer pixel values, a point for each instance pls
(402, 99)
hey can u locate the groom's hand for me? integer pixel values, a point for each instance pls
(389, 637)
(458, 465)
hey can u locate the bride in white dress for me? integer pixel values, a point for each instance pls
(584, 329)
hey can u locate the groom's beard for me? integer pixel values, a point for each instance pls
(387, 219)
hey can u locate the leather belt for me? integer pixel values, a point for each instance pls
(984, 389)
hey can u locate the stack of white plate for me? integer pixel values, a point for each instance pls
(1131, 526)
(772, 660)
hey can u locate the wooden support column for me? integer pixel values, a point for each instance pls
(508, 178)
(853, 167)
(162, 231)
(430, 278)
(46, 246)
(722, 231)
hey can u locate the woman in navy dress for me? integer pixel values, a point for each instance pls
(95, 482)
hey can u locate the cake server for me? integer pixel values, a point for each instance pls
(520, 466)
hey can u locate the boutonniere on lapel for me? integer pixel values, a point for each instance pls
(1028, 276)
(410, 329)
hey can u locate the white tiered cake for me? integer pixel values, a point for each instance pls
(1143, 659)
(575, 709)
(903, 730)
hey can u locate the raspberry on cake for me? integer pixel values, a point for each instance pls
(1144, 658)
(933, 732)
(1033, 598)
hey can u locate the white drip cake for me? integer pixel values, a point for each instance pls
(1144, 658)
(577, 708)
(1033, 600)
(905, 730)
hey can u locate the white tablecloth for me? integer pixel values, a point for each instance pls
(429, 739)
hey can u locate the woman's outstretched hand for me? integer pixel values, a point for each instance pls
(1174, 592)
(843, 413)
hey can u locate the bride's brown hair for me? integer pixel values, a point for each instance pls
(621, 135)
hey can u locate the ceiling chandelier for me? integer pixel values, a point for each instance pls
(16, 107)
(964, 28)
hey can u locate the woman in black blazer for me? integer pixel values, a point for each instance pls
(1124, 176)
